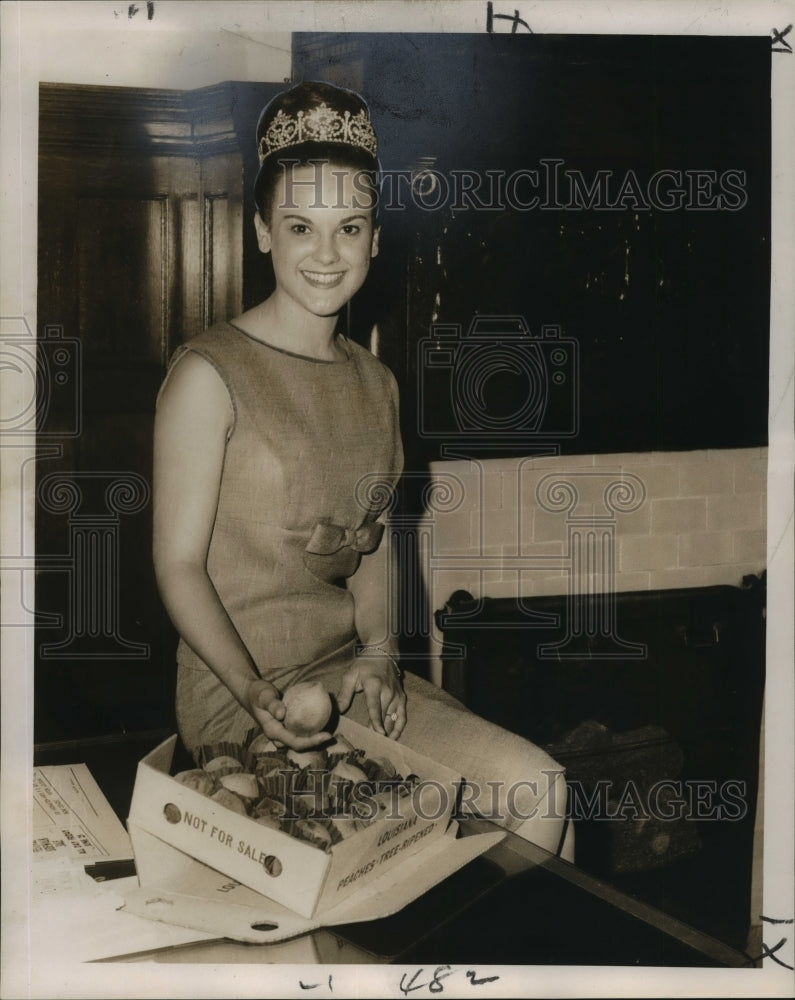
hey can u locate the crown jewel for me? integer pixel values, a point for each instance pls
(321, 124)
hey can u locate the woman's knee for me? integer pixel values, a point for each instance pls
(549, 826)
(527, 786)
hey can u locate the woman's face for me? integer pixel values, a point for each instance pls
(321, 236)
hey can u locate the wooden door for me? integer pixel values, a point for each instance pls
(141, 207)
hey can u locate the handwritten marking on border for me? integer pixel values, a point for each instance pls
(513, 18)
(778, 39)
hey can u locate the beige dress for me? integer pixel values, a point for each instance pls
(310, 461)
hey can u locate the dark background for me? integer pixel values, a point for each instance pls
(670, 309)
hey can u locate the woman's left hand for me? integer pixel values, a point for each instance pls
(378, 679)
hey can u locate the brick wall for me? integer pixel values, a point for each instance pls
(648, 521)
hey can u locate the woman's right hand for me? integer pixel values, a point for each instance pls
(264, 703)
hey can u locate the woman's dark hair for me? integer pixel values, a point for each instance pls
(306, 97)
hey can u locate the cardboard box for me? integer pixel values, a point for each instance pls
(176, 889)
(167, 819)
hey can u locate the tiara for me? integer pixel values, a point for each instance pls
(321, 124)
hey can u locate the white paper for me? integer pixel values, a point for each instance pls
(72, 818)
(84, 925)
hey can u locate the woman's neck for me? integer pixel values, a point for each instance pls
(278, 321)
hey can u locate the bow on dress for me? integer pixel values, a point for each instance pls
(328, 538)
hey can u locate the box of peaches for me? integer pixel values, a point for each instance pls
(349, 830)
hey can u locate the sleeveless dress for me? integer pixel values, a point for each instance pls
(310, 462)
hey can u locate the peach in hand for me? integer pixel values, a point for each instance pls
(308, 708)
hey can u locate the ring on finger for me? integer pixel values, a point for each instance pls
(394, 716)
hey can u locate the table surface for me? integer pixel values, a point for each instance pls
(517, 904)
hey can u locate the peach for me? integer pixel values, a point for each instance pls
(308, 708)
(197, 779)
(231, 801)
(262, 744)
(241, 783)
(224, 763)
(315, 759)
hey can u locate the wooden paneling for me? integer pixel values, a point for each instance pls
(222, 227)
(140, 248)
(128, 240)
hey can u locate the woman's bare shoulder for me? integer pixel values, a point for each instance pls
(196, 390)
(191, 370)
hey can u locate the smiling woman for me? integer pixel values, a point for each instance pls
(321, 243)
(265, 427)
(316, 198)
(270, 555)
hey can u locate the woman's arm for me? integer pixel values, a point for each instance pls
(376, 675)
(194, 417)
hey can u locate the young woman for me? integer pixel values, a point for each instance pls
(269, 430)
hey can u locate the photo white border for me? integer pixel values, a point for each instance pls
(113, 42)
